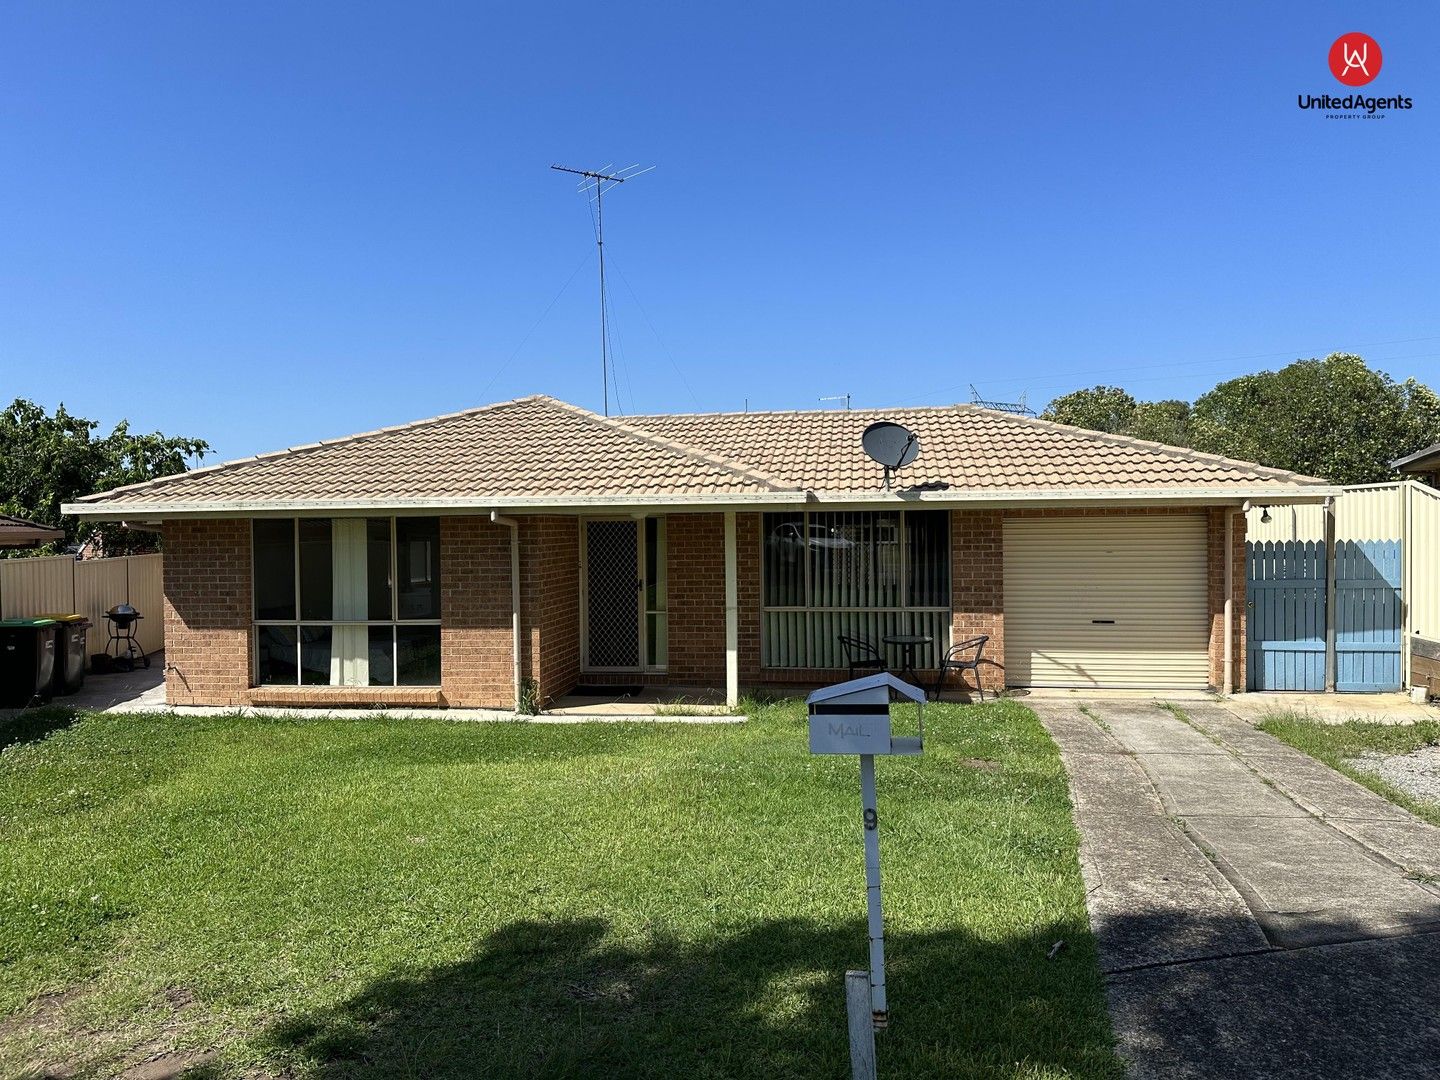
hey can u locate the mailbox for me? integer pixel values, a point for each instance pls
(854, 717)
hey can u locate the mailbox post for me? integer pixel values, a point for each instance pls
(854, 718)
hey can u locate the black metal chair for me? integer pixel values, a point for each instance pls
(861, 655)
(962, 657)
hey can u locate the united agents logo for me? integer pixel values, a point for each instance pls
(1355, 60)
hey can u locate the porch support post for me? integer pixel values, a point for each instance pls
(732, 614)
(1331, 661)
(1227, 681)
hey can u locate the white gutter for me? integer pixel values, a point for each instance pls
(997, 499)
(514, 527)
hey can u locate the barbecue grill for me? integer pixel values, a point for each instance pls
(123, 646)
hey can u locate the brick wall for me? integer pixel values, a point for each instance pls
(550, 602)
(696, 573)
(475, 625)
(977, 587)
(1215, 544)
(208, 596)
(207, 612)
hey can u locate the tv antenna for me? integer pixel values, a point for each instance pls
(891, 445)
(1018, 408)
(837, 397)
(597, 182)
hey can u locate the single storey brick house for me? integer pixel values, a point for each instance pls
(535, 544)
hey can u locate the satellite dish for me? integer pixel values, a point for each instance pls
(891, 445)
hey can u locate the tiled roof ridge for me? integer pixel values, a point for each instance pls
(305, 448)
(695, 453)
(1182, 453)
(800, 412)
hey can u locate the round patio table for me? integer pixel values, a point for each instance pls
(908, 644)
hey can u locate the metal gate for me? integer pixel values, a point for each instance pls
(1285, 592)
(1367, 615)
(1285, 615)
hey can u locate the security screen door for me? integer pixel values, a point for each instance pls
(625, 617)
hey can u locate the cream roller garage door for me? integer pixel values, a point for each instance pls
(1107, 601)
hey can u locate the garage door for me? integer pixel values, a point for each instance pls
(1107, 601)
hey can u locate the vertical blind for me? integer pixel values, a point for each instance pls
(866, 574)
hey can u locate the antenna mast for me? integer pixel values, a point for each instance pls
(1018, 408)
(596, 180)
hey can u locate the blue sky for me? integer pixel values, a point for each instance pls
(267, 224)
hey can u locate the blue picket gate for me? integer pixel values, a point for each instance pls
(1367, 615)
(1285, 615)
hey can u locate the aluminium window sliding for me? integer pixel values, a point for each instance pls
(346, 601)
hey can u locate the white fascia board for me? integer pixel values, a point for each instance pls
(1106, 497)
(136, 510)
(839, 500)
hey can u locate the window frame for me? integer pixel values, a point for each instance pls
(810, 609)
(298, 624)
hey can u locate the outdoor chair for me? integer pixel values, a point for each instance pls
(861, 655)
(963, 657)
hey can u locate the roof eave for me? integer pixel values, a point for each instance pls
(135, 510)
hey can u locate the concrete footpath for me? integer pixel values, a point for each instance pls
(1258, 914)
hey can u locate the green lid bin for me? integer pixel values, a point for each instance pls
(27, 661)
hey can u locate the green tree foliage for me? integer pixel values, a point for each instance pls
(49, 459)
(1109, 408)
(1099, 408)
(1335, 418)
(1161, 421)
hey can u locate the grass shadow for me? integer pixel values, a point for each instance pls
(569, 998)
(32, 725)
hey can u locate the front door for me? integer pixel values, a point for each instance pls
(625, 594)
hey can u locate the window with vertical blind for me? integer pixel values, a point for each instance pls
(347, 601)
(868, 574)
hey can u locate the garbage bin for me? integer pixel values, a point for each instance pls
(27, 660)
(69, 651)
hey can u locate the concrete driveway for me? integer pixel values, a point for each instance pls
(1258, 914)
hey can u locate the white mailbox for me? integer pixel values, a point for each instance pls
(854, 717)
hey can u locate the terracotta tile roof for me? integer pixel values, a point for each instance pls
(963, 447)
(17, 532)
(534, 447)
(539, 448)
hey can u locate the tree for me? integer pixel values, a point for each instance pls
(1335, 418)
(1161, 421)
(1099, 408)
(1109, 408)
(47, 460)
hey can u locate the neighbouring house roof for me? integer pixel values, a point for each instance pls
(1422, 461)
(543, 453)
(17, 532)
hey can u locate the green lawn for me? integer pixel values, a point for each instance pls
(1336, 744)
(336, 898)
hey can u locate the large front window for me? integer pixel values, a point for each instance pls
(347, 601)
(870, 575)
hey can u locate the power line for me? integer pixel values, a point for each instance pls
(1029, 380)
(665, 349)
(536, 325)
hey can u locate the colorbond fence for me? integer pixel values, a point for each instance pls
(90, 587)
